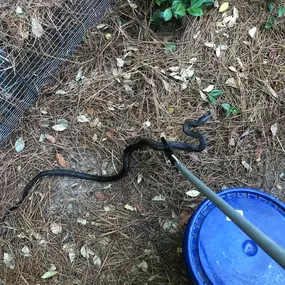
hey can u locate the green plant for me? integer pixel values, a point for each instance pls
(230, 110)
(169, 48)
(178, 9)
(276, 12)
(214, 94)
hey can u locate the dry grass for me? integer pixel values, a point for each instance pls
(123, 239)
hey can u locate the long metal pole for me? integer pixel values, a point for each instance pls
(275, 251)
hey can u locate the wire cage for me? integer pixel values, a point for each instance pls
(26, 68)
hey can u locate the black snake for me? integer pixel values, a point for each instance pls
(140, 144)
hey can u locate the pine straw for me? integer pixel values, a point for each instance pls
(123, 239)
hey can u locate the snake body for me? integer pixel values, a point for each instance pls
(140, 144)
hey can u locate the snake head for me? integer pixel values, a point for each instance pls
(204, 118)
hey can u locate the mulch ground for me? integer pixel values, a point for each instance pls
(131, 231)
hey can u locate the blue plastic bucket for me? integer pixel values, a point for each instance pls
(217, 252)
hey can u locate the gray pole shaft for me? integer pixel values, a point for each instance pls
(275, 251)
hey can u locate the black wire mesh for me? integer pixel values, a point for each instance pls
(25, 69)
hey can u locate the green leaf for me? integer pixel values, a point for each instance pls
(159, 2)
(272, 20)
(230, 110)
(168, 48)
(281, 11)
(270, 23)
(197, 3)
(209, 2)
(270, 7)
(195, 11)
(235, 111)
(176, 3)
(212, 99)
(157, 18)
(180, 11)
(122, 21)
(216, 93)
(167, 14)
(226, 106)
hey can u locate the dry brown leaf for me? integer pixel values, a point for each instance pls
(203, 95)
(174, 68)
(211, 45)
(95, 138)
(279, 186)
(273, 129)
(120, 62)
(209, 88)
(246, 165)
(252, 32)
(244, 134)
(26, 251)
(166, 85)
(243, 75)
(196, 35)
(56, 228)
(101, 26)
(218, 51)
(232, 22)
(232, 82)
(186, 73)
(81, 221)
(9, 260)
(232, 68)
(37, 28)
(270, 89)
(227, 19)
(90, 111)
(147, 124)
(183, 219)
(235, 12)
(199, 81)
(184, 86)
(140, 177)
(60, 160)
(100, 196)
(232, 142)
(224, 7)
(220, 24)
(193, 193)
(129, 208)
(240, 64)
(50, 138)
(110, 133)
(223, 47)
(139, 208)
(258, 155)
(150, 81)
(193, 60)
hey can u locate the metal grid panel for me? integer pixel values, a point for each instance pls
(24, 70)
